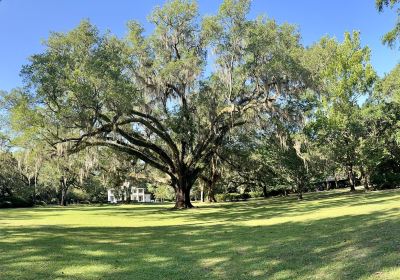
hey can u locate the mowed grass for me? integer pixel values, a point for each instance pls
(329, 235)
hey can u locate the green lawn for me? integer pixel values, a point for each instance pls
(334, 235)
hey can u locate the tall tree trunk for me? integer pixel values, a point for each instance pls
(202, 193)
(366, 182)
(351, 177)
(211, 191)
(182, 198)
(188, 203)
(265, 194)
(34, 190)
(299, 195)
(213, 179)
(182, 190)
(123, 194)
(61, 198)
(366, 178)
(300, 188)
(128, 194)
(36, 180)
(63, 191)
(63, 201)
(300, 191)
(209, 183)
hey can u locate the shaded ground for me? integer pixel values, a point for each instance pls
(330, 235)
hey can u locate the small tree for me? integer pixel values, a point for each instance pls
(163, 192)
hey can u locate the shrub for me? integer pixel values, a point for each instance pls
(78, 195)
(20, 202)
(256, 194)
(98, 199)
(234, 196)
(387, 180)
(5, 204)
(220, 197)
(84, 202)
(41, 203)
(15, 201)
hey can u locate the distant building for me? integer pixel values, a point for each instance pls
(136, 194)
(334, 183)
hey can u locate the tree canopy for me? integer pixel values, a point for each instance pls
(149, 96)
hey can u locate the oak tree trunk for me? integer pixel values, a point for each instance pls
(351, 179)
(63, 191)
(300, 188)
(299, 195)
(182, 191)
(265, 194)
(214, 176)
(367, 182)
(34, 190)
(182, 200)
(366, 178)
(300, 192)
(211, 191)
(63, 201)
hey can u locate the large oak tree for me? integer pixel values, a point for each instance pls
(155, 96)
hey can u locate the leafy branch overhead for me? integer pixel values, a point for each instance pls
(393, 35)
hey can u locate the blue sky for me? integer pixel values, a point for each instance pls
(25, 23)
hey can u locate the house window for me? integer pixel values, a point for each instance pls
(140, 198)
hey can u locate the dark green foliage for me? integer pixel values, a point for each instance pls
(386, 175)
(232, 197)
(15, 202)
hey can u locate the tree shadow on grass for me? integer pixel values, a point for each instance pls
(53, 211)
(346, 247)
(282, 206)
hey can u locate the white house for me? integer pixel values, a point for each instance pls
(137, 194)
